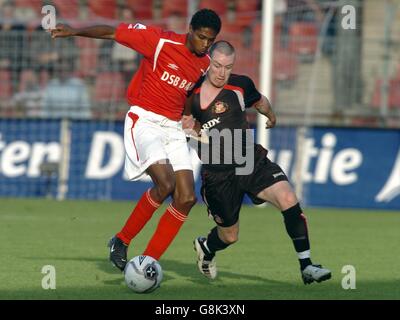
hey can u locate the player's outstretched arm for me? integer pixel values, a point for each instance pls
(98, 32)
(263, 106)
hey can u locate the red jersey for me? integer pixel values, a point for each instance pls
(167, 72)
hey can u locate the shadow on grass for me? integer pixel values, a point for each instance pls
(173, 270)
(182, 281)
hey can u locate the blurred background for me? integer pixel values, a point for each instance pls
(58, 96)
(353, 81)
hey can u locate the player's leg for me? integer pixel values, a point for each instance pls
(183, 195)
(219, 238)
(282, 196)
(223, 197)
(171, 221)
(163, 178)
(143, 140)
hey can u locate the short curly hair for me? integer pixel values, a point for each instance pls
(206, 18)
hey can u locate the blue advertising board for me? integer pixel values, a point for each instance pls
(341, 167)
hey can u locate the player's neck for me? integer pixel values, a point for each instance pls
(210, 86)
(208, 93)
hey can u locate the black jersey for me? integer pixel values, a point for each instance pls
(224, 120)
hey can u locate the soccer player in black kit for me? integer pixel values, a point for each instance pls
(217, 105)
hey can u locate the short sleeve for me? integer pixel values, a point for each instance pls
(251, 94)
(138, 37)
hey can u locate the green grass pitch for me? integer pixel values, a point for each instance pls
(72, 237)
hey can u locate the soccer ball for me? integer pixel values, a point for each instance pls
(143, 274)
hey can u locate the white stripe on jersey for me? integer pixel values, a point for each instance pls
(159, 47)
(240, 98)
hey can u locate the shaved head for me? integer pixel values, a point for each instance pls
(222, 46)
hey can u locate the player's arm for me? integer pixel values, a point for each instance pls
(263, 106)
(190, 124)
(98, 32)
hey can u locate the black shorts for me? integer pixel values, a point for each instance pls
(223, 191)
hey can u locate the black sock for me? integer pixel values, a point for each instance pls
(214, 243)
(304, 263)
(296, 227)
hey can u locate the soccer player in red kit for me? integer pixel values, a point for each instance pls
(155, 142)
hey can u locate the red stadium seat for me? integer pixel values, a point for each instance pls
(233, 33)
(247, 63)
(285, 65)
(67, 9)
(247, 5)
(36, 5)
(247, 12)
(88, 53)
(5, 84)
(104, 8)
(219, 7)
(256, 35)
(109, 86)
(365, 121)
(109, 89)
(303, 38)
(142, 9)
(393, 94)
(174, 7)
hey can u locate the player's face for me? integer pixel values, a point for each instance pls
(200, 40)
(220, 68)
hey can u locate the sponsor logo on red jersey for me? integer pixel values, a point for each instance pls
(176, 81)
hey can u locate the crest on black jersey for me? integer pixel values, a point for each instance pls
(219, 107)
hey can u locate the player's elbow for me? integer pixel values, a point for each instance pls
(108, 32)
(110, 36)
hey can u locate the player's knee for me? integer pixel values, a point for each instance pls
(288, 200)
(165, 188)
(186, 199)
(230, 237)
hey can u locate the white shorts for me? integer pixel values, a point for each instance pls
(150, 137)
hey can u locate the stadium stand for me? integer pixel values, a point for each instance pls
(33, 4)
(247, 12)
(296, 34)
(109, 86)
(67, 9)
(142, 9)
(174, 7)
(303, 38)
(5, 84)
(219, 7)
(88, 53)
(105, 8)
(393, 93)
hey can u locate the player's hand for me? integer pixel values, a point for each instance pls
(271, 122)
(187, 122)
(62, 31)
